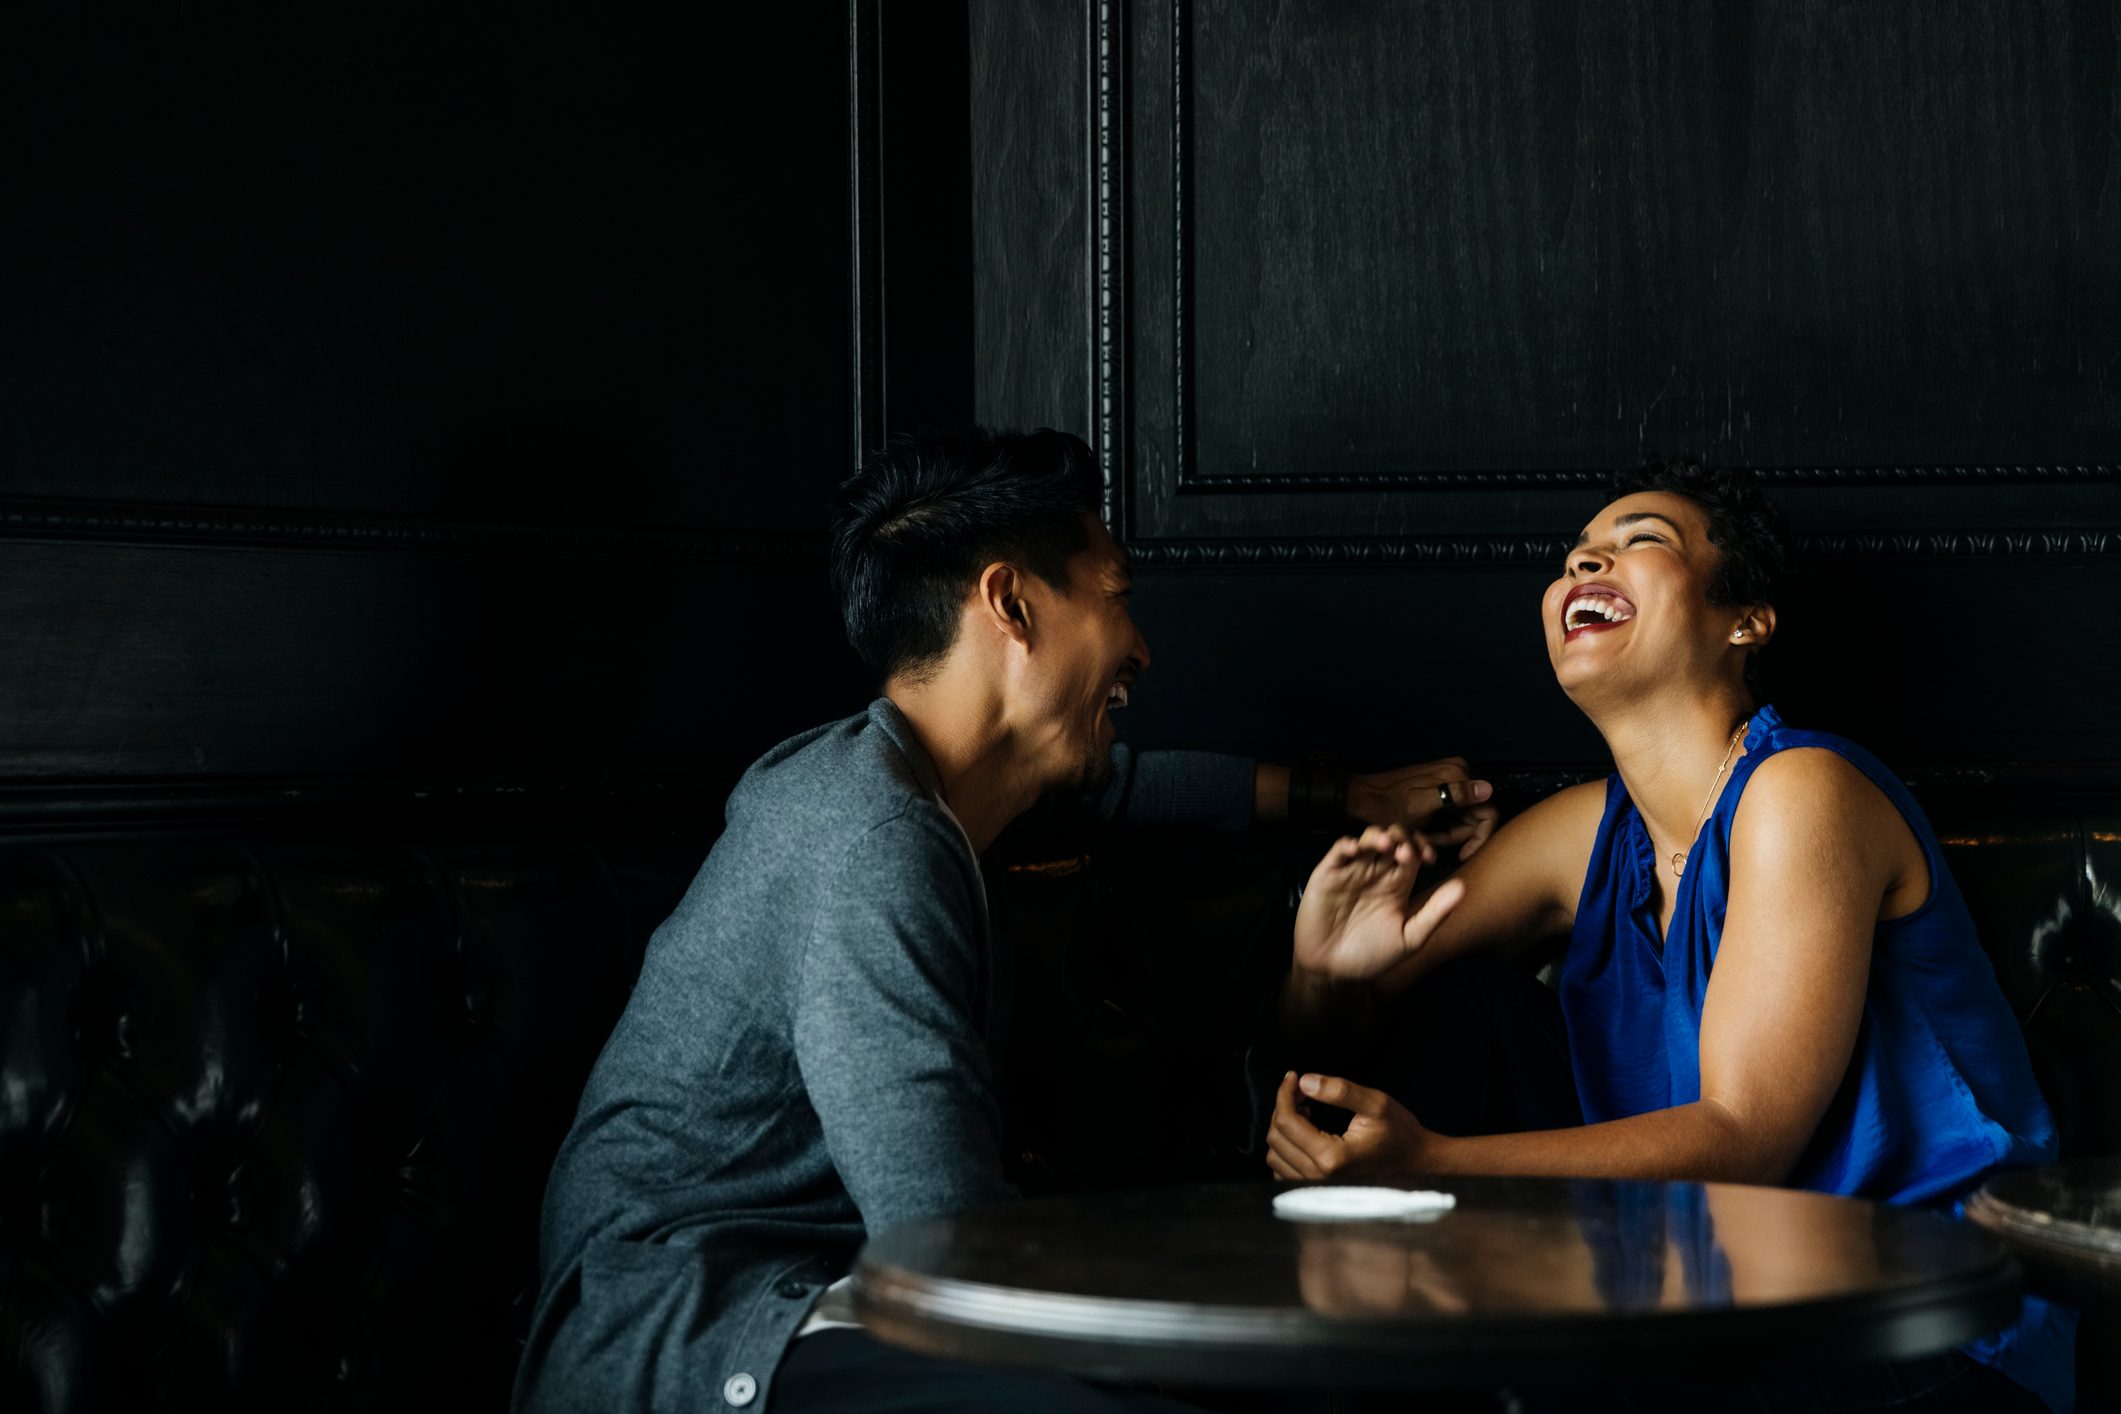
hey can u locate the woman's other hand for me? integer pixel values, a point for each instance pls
(1354, 922)
(1383, 1140)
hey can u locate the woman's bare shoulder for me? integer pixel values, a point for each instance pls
(1812, 788)
(1813, 802)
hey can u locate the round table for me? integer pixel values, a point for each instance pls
(1524, 1281)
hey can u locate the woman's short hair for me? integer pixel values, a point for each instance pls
(1746, 528)
(912, 529)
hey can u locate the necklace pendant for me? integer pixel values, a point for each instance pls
(1679, 864)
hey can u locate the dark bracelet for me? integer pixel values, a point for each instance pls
(1318, 795)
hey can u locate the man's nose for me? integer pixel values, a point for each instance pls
(1140, 656)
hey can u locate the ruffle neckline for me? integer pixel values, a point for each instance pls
(1642, 855)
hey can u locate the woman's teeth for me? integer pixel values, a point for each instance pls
(1597, 608)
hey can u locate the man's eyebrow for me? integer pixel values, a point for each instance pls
(1629, 519)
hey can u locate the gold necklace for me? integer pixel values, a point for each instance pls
(1679, 855)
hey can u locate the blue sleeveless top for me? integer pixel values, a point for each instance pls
(1939, 1091)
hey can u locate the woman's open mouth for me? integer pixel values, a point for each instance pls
(1593, 608)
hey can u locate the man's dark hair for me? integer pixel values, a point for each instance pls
(1748, 531)
(913, 528)
(1744, 525)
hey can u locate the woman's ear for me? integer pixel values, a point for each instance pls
(1756, 628)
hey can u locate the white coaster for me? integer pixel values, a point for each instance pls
(1330, 1204)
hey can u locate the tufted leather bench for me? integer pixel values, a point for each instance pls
(2044, 883)
(276, 1106)
(277, 1112)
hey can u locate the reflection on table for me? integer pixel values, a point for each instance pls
(1540, 1280)
(1624, 1248)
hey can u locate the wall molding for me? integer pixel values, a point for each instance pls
(1986, 782)
(689, 801)
(149, 523)
(1425, 550)
(1224, 483)
(865, 267)
(1108, 283)
(689, 798)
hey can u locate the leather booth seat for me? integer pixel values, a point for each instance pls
(2044, 884)
(276, 1114)
(276, 1109)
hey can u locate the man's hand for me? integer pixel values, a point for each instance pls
(1439, 799)
(1383, 1140)
(1354, 922)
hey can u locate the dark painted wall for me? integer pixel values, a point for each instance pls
(1359, 301)
(441, 390)
(419, 388)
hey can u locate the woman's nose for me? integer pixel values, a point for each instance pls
(1589, 561)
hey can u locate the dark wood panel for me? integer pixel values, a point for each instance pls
(1388, 249)
(148, 660)
(436, 393)
(1030, 198)
(535, 265)
(1457, 236)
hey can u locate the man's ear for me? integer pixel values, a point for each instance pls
(1001, 600)
(1756, 629)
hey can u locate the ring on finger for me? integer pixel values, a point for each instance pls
(1443, 794)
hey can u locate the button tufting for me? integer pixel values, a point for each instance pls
(740, 1390)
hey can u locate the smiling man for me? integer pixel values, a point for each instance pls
(804, 1059)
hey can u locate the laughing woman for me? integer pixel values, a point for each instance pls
(1770, 976)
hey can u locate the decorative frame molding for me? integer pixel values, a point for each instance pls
(2042, 784)
(686, 801)
(1109, 51)
(1224, 483)
(147, 523)
(1108, 284)
(678, 800)
(1513, 550)
(865, 217)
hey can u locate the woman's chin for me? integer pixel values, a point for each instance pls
(1584, 679)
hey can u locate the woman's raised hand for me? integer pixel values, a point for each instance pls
(1355, 921)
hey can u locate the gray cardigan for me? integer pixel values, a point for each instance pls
(802, 1062)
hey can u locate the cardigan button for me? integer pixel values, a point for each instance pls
(740, 1390)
